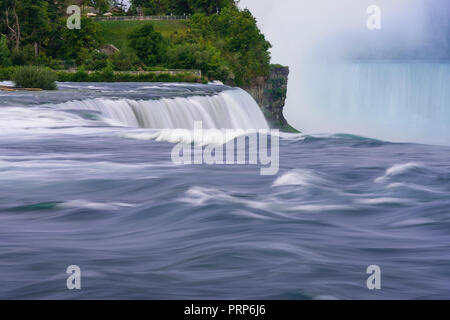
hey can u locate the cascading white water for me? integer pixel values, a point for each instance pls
(229, 109)
(407, 102)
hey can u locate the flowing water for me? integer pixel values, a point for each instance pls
(86, 179)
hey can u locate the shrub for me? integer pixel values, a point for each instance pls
(34, 77)
(125, 60)
(6, 73)
(206, 58)
(107, 75)
(97, 61)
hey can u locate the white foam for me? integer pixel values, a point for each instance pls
(412, 222)
(199, 196)
(398, 169)
(296, 177)
(199, 137)
(319, 207)
(95, 205)
(385, 200)
(412, 187)
(48, 170)
(25, 118)
(216, 82)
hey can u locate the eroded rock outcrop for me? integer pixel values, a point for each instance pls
(270, 93)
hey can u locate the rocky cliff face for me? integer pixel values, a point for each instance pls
(270, 94)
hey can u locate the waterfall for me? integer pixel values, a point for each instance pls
(407, 102)
(229, 109)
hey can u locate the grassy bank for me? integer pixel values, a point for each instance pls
(115, 32)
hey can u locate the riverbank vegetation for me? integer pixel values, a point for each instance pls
(219, 39)
(34, 77)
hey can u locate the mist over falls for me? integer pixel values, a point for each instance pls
(399, 102)
(328, 30)
(388, 84)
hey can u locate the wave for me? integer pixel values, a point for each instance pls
(199, 137)
(72, 204)
(398, 169)
(411, 186)
(84, 204)
(377, 201)
(51, 170)
(271, 208)
(297, 177)
(21, 118)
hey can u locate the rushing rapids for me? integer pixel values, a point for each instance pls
(82, 182)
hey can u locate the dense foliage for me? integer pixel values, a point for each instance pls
(221, 40)
(236, 34)
(5, 54)
(148, 44)
(37, 33)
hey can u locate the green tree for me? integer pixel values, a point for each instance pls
(102, 5)
(5, 55)
(148, 44)
(204, 57)
(9, 21)
(35, 24)
(179, 7)
(73, 42)
(236, 34)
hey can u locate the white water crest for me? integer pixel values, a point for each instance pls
(229, 109)
(297, 177)
(400, 102)
(398, 169)
(185, 136)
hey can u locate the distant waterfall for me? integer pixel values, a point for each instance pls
(229, 109)
(407, 102)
